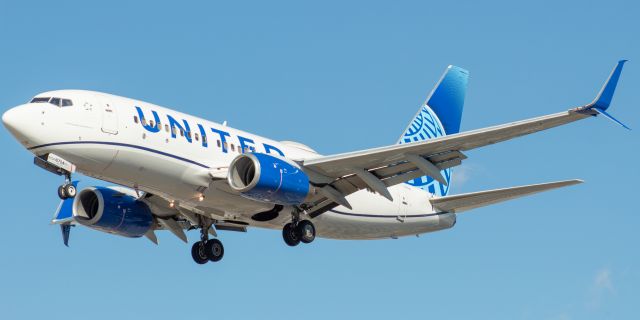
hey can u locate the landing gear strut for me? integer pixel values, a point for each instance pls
(67, 190)
(207, 250)
(298, 231)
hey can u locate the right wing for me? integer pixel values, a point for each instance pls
(340, 175)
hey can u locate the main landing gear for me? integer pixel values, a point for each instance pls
(207, 250)
(298, 231)
(67, 190)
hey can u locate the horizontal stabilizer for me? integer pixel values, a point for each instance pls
(462, 202)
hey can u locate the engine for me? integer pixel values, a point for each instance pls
(263, 177)
(112, 211)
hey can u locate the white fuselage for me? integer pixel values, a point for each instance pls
(119, 140)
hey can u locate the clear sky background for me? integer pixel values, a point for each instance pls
(341, 76)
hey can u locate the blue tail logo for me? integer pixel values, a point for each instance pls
(441, 114)
(424, 126)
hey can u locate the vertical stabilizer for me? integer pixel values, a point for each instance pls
(439, 115)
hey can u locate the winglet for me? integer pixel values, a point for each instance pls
(603, 100)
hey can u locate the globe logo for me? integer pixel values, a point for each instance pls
(426, 125)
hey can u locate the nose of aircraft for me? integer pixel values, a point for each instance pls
(10, 118)
(16, 121)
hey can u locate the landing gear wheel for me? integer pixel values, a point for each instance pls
(214, 250)
(61, 193)
(198, 253)
(306, 231)
(290, 235)
(70, 190)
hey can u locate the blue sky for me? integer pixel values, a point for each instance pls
(341, 76)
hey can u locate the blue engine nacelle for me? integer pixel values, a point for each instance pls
(266, 178)
(112, 211)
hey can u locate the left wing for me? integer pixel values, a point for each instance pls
(376, 169)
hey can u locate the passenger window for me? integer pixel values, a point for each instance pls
(144, 121)
(55, 101)
(226, 146)
(197, 137)
(174, 131)
(232, 147)
(181, 132)
(204, 139)
(151, 123)
(218, 143)
(135, 119)
(166, 127)
(66, 103)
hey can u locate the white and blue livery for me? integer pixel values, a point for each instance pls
(178, 172)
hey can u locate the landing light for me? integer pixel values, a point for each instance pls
(201, 198)
(172, 204)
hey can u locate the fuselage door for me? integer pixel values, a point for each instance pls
(109, 119)
(403, 208)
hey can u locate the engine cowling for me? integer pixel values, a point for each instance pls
(112, 211)
(266, 178)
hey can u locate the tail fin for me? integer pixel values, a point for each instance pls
(439, 115)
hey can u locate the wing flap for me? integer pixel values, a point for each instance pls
(462, 202)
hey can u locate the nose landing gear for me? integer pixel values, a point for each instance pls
(68, 189)
(57, 165)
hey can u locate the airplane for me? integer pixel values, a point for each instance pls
(177, 172)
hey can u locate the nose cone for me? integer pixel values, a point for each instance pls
(16, 120)
(10, 119)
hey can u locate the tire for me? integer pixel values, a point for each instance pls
(306, 231)
(70, 190)
(290, 236)
(198, 253)
(61, 193)
(214, 250)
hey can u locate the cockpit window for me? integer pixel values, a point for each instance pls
(40, 100)
(54, 101)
